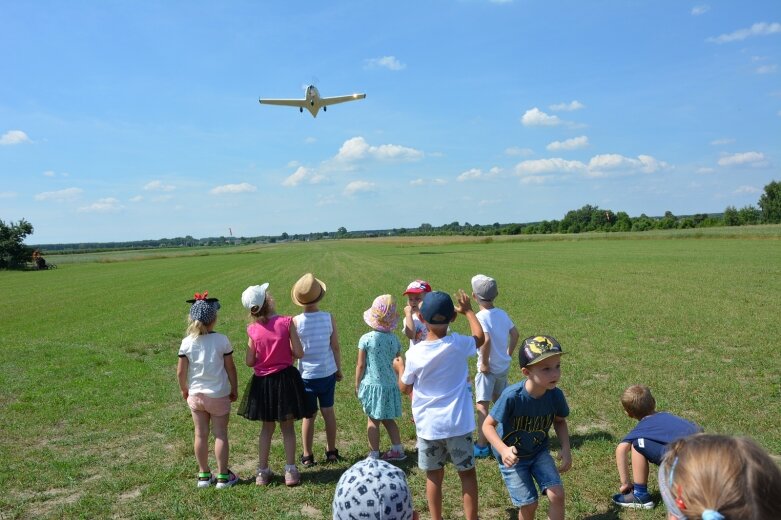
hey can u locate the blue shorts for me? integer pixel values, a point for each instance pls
(520, 478)
(320, 389)
(651, 450)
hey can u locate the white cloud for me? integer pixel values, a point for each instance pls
(601, 165)
(697, 10)
(158, 186)
(477, 173)
(66, 194)
(758, 29)
(542, 170)
(137, 198)
(358, 186)
(737, 159)
(544, 166)
(303, 175)
(436, 182)
(516, 150)
(722, 141)
(107, 205)
(536, 117)
(243, 187)
(567, 107)
(569, 144)
(767, 69)
(357, 148)
(746, 190)
(12, 137)
(386, 62)
(49, 173)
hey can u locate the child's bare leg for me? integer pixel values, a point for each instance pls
(307, 435)
(289, 441)
(482, 413)
(201, 439)
(221, 446)
(639, 468)
(373, 432)
(434, 492)
(329, 417)
(393, 431)
(556, 498)
(527, 512)
(264, 442)
(469, 492)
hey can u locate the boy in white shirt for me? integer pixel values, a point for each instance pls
(494, 357)
(437, 369)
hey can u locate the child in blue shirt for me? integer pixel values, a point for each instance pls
(647, 442)
(518, 424)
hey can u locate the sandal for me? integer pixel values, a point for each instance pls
(226, 480)
(308, 461)
(332, 456)
(205, 479)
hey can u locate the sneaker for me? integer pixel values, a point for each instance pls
(292, 477)
(394, 455)
(226, 480)
(633, 501)
(205, 479)
(264, 477)
(481, 453)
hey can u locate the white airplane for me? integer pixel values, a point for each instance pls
(313, 102)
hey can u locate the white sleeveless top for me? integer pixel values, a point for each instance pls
(314, 329)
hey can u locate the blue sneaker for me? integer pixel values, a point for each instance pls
(481, 453)
(633, 501)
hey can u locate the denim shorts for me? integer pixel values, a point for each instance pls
(520, 478)
(320, 389)
(488, 387)
(433, 455)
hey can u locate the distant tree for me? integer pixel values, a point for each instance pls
(341, 231)
(623, 222)
(770, 202)
(668, 221)
(749, 215)
(284, 236)
(13, 253)
(731, 216)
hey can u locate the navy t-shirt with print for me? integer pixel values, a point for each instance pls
(523, 421)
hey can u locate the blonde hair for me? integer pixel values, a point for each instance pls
(638, 401)
(263, 312)
(731, 475)
(196, 328)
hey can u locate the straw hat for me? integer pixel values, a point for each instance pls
(307, 290)
(382, 314)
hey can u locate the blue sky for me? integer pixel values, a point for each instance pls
(139, 120)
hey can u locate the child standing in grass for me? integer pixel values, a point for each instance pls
(494, 357)
(647, 442)
(275, 394)
(414, 328)
(207, 380)
(320, 366)
(437, 368)
(518, 426)
(375, 381)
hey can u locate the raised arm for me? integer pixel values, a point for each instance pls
(464, 306)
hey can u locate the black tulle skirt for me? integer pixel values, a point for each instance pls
(276, 397)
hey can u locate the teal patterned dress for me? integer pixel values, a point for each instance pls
(378, 392)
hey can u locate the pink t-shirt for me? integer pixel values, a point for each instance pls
(271, 341)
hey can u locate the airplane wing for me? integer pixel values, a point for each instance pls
(285, 102)
(340, 99)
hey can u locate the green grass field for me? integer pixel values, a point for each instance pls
(92, 423)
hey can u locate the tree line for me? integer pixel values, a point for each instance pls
(15, 254)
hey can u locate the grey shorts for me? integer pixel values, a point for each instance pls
(433, 455)
(488, 387)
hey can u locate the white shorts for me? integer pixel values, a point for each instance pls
(488, 387)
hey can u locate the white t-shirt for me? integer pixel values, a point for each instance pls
(497, 324)
(420, 330)
(314, 330)
(206, 370)
(441, 401)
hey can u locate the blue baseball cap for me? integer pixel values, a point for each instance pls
(437, 308)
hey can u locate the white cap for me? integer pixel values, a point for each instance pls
(254, 295)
